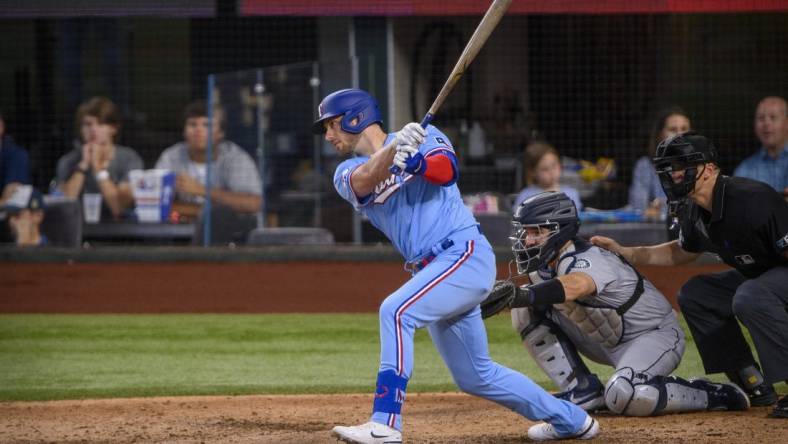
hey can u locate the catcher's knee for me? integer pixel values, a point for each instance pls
(627, 394)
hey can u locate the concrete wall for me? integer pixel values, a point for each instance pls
(210, 287)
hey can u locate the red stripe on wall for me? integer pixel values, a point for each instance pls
(478, 7)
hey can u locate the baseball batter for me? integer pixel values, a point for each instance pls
(452, 266)
(582, 297)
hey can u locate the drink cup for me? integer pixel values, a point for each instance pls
(91, 207)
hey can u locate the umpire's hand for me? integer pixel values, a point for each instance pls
(606, 243)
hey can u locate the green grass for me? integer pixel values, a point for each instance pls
(46, 357)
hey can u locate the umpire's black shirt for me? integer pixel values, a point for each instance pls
(747, 227)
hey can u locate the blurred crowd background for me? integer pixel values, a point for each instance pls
(588, 79)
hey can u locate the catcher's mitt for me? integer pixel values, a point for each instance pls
(499, 298)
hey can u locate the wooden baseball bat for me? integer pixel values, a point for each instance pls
(490, 20)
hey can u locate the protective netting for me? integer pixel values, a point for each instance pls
(589, 82)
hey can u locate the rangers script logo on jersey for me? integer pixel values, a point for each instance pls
(385, 189)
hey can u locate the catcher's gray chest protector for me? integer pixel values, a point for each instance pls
(604, 325)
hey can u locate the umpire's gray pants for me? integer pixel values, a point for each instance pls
(711, 303)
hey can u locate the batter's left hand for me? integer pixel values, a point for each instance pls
(411, 134)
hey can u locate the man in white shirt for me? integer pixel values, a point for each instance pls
(235, 179)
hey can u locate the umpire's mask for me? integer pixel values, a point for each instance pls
(682, 152)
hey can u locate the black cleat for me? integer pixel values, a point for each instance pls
(723, 396)
(762, 395)
(589, 398)
(781, 409)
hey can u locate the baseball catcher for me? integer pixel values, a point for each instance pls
(572, 297)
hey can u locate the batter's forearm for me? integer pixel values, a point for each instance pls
(366, 177)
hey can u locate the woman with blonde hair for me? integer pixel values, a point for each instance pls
(543, 173)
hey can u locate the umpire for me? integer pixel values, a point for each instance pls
(745, 223)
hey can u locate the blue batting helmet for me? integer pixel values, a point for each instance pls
(351, 104)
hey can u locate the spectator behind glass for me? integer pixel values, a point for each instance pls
(25, 210)
(770, 163)
(543, 173)
(645, 193)
(14, 164)
(235, 182)
(98, 165)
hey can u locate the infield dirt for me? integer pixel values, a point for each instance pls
(429, 418)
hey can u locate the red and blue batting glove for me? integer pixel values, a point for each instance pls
(415, 164)
(410, 160)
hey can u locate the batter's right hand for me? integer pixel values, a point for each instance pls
(606, 243)
(411, 134)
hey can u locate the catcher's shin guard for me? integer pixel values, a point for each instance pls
(629, 393)
(552, 350)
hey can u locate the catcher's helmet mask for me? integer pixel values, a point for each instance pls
(682, 152)
(550, 211)
(528, 257)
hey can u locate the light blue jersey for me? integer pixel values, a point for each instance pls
(413, 213)
(457, 269)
